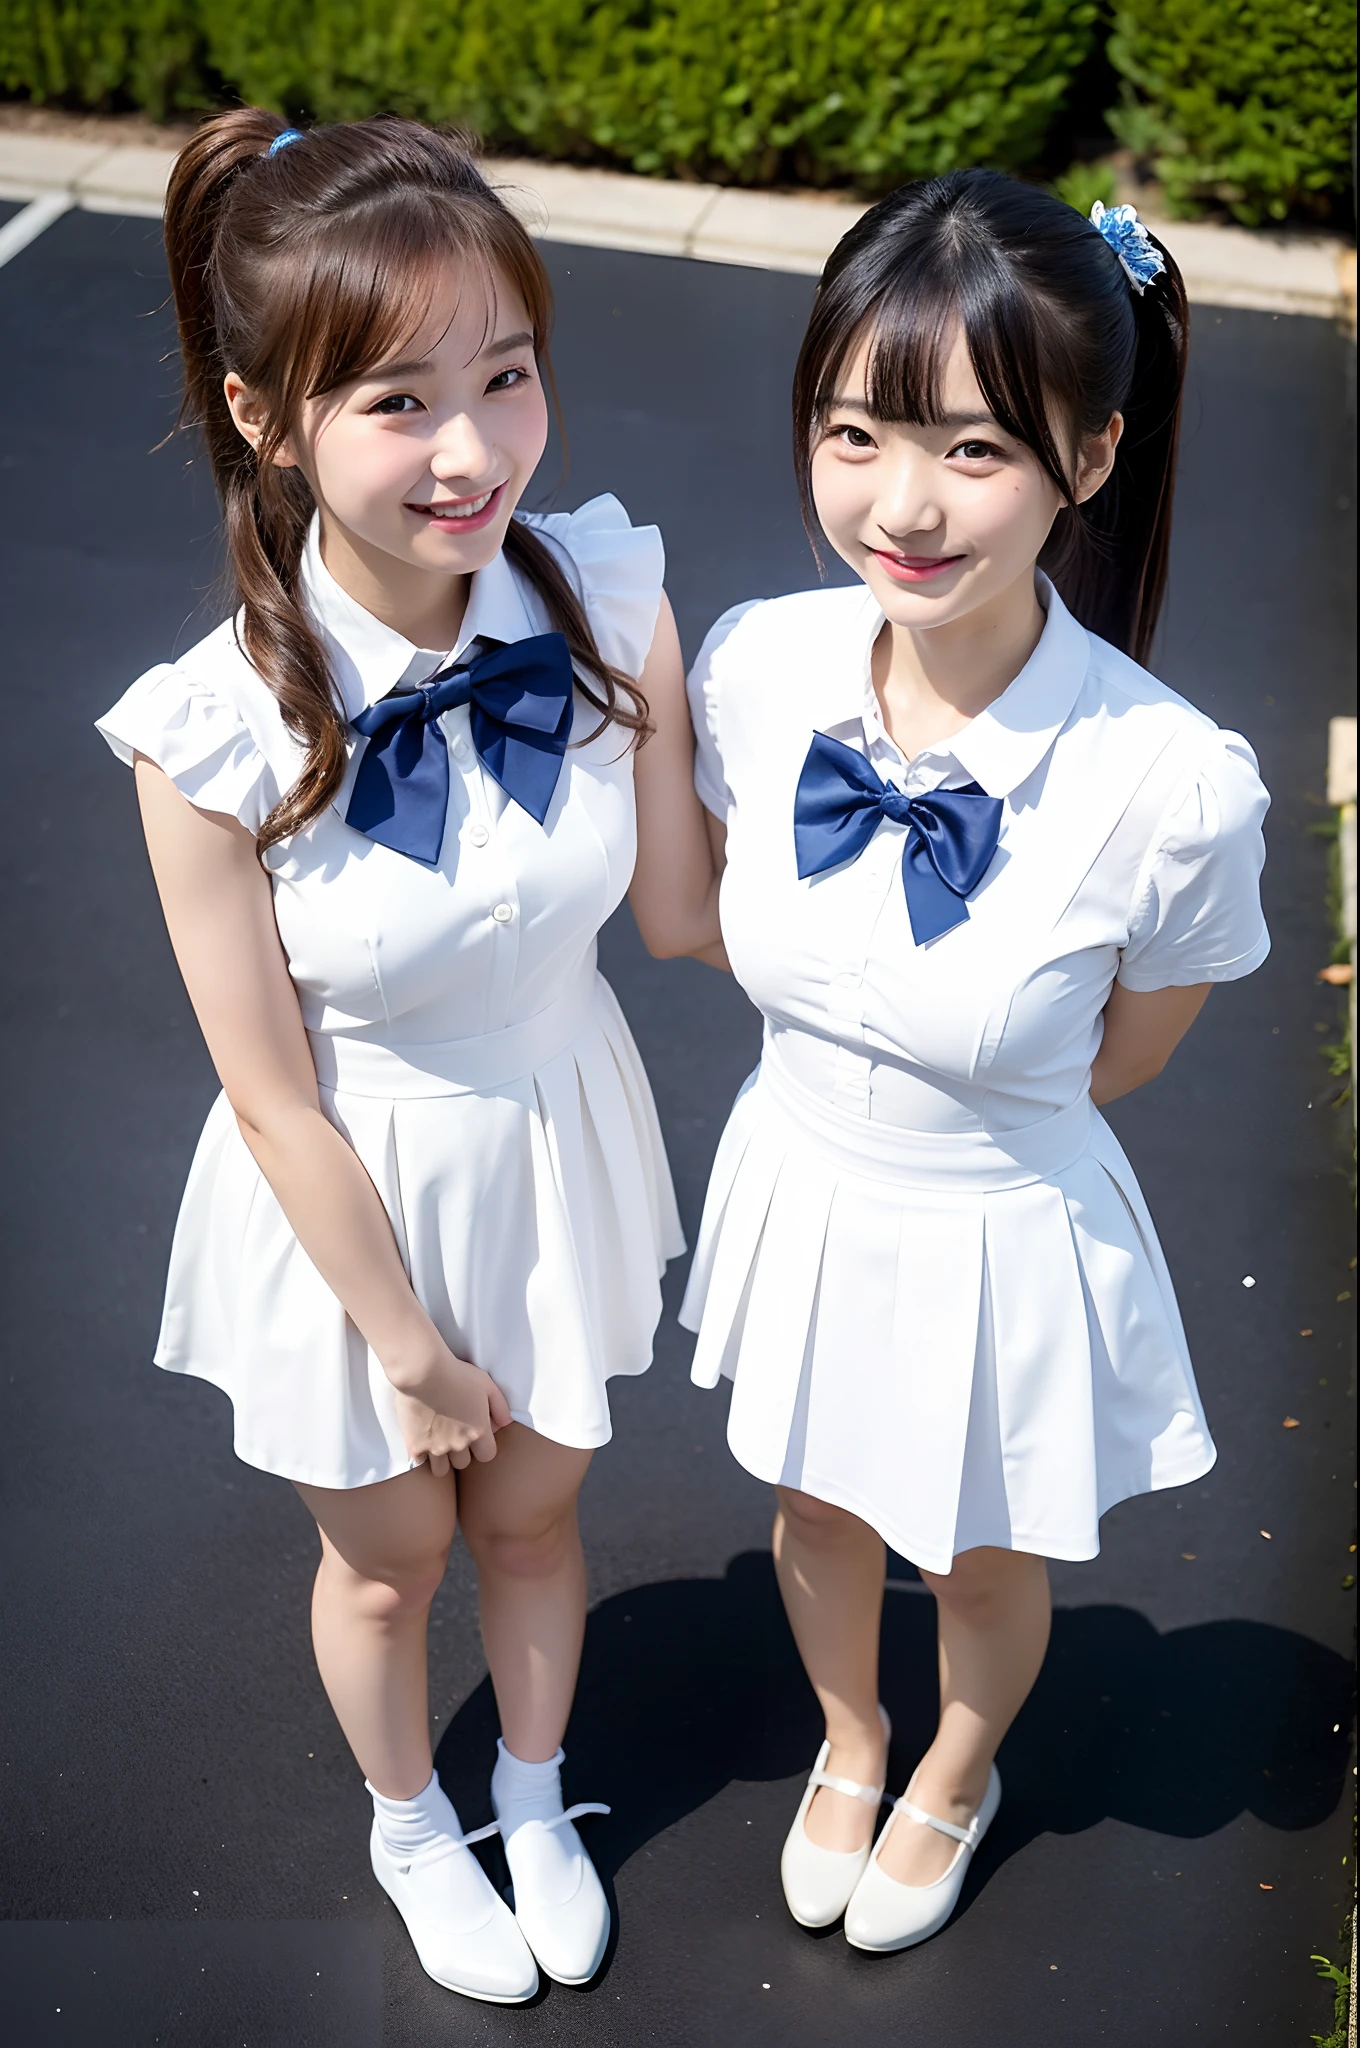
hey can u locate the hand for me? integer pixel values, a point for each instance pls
(449, 1411)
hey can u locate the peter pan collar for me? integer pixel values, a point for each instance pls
(1004, 744)
(369, 658)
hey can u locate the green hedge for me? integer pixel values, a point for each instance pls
(93, 53)
(747, 91)
(1243, 102)
(1246, 102)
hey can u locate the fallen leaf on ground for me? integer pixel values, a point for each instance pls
(1291, 1422)
(1345, 1295)
(1266, 1533)
(1189, 1556)
(1267, 1887)
(1339, 974)
(1305, 1333)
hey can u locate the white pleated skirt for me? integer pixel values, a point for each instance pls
(528, 1190)
(962, 1338)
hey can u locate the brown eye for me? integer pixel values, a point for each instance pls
(855, 437)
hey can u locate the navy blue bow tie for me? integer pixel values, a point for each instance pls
(521, 711)
(951, 833)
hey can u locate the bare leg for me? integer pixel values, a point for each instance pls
(830, 1567)
(518, 1516)
(994, 1615)
(383, 1552)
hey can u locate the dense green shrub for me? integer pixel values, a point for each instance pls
(1246, 102)
(91, 52)
(873, 91)
(825, 91)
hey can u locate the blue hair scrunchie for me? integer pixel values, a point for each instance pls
(282, 141)
(1126, 235)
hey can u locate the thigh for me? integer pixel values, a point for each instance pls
(529, 1484)
(383, 1531)
(815, 1517)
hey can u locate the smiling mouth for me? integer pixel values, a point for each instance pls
(458, 509)
(914, 568)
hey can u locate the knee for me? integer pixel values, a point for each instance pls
(391, 1593)
(536, 1551)
(816, 1521)
(983, 1586)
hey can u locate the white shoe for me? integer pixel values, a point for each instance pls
(463, 1933)
(560, 1904)
(886, 1914)
(818, 1882)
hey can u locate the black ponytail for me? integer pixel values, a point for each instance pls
(1059, 339)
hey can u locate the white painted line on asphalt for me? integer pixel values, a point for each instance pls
(26, 227)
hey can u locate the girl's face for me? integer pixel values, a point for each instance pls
(937, 520)
(422, 460)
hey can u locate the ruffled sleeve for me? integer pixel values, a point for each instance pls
(199, 738)
(705, 694)
(619, 570)
(1197, 910)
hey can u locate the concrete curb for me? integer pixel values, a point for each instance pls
(1222, 266)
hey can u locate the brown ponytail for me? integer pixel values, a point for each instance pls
(300, 271)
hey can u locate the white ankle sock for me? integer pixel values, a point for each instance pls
(521, 1791)
(409, 1825)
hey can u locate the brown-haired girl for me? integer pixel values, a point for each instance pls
(981, 869)
(389, 804)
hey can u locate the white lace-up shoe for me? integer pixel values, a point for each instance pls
(885, 1914)
(464, 1935)
(818, 1882)
(560, 1904)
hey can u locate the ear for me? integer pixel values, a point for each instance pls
(1097, 459)
(248, 411)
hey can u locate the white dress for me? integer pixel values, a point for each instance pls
(924, 1259)
(463, 1040)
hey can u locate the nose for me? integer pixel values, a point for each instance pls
(462, 453)
(907, 507)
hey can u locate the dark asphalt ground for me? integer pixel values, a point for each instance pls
(183, 1847)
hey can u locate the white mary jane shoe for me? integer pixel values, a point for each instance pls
(560, 1904)
(885, 1914)
(818, 1882)
(463, 1933)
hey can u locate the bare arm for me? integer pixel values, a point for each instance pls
(680, 847)
(1142, 1030)
(219, 909)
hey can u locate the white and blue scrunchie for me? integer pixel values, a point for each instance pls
(1131, 243)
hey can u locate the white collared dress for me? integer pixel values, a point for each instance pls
(464, 1043)
(924, 1259)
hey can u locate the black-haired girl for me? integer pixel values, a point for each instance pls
(388, 805)
(981, 870)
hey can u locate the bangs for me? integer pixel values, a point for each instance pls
(365, 289)
(911, 319)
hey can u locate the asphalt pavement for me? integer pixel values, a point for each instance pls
(183, 1847)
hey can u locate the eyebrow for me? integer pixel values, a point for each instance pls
(951, 420)
(423, 367)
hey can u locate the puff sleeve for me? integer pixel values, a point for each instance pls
(619, 571)
(200, 739)
(705, 692)
(1197, 909)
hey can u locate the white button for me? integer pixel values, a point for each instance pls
(502, 913)
(478, 834)
(460, 750)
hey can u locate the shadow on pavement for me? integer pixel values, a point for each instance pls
(691, 1684)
